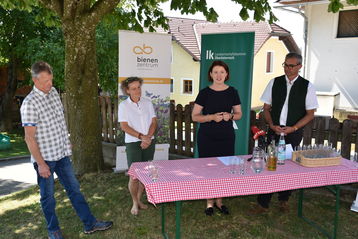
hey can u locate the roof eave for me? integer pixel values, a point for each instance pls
(195, 58)
(280, 4)
(290, 44)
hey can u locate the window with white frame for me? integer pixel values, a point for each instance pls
(187, 86)
(269, 62)
(347, 24)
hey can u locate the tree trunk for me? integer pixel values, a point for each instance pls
(81, 83)
(7, 100)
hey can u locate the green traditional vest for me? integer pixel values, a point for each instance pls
(296, 100)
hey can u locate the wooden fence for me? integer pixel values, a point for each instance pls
(109, 116)
(183, 129)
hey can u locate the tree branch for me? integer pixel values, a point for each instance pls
(70, 8)
(102, 7)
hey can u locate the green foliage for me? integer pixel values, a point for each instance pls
(25, 40)
(335, 5)
(352, 2)
(18, 145)
(49, 48)
(193, 6)
(47, 17)
(18, 4)
(107, 56)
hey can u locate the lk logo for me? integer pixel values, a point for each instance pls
(209, 55)
(142, 50)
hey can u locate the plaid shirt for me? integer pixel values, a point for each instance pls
(45, 111)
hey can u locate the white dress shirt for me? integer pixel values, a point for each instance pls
(138, 116)
(311, 98)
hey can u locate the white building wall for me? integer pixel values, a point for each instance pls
(332, 63)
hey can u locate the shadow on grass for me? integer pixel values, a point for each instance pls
(20, 195)
(10, 186)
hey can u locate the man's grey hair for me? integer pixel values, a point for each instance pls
(295, 55)
(39, 67)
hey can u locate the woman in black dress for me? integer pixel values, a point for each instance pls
(215, 108)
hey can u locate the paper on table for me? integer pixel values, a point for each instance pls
(226, 160)
(289, 151)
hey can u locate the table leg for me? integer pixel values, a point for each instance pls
(335, 189)
(336, 216)
(177, 219)
(162, 208)
(300, 202)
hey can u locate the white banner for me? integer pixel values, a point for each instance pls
(147, 55)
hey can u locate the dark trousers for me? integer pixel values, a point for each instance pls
(294, 139)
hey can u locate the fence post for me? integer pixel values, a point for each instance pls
(346, 138)
(172, 127)
(104, 118)
(180, 129)
(307, 133)
(187, 120)
(320, 130)
(115, 119)
(194, 125)
(110, 119)
(334, 127)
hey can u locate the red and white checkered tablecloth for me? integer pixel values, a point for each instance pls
(203, 178)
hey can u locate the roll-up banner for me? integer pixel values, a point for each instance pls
(148, 56)
(237, 51)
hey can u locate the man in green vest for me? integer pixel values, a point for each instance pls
(289, 104)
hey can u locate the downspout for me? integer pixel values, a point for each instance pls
(305, 32)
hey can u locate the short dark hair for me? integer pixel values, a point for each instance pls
(219, 63)
(295, 55)
(39, 67)
(126, 82)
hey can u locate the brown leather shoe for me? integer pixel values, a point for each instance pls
(283, 206)
(257, 210)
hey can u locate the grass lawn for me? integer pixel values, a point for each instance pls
(108, 196)
(18, 145)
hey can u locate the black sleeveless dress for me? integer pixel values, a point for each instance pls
(216, 139)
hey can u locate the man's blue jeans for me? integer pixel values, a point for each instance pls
(64, 171)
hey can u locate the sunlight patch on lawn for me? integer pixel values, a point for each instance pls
(11, 204)
(29, 226)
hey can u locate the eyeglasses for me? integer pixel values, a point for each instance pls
(290, 66)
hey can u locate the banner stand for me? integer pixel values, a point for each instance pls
(237, 51)
(148, 56)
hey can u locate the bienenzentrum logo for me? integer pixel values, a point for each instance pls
(142, 50)
(144, 61)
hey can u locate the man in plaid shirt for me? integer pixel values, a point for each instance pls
(46, 136)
